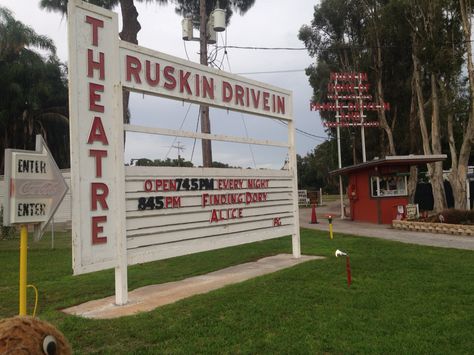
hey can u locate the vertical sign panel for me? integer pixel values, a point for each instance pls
(96, 131)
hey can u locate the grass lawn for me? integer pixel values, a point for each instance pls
(404, 299)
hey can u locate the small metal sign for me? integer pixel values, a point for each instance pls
(34, 186)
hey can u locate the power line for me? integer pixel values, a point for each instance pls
(268, 48)
(273, 72)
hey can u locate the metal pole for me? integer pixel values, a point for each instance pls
(205, 122)
(338, 132)
(23, 268)
(362, 129)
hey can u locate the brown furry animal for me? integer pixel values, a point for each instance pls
(28, 335)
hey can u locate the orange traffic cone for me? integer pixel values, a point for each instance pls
(314, 219)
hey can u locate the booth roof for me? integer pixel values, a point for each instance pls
(390, 161)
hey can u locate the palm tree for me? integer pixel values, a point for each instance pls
(33, 90)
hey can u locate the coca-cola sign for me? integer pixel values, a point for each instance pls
(38, 188)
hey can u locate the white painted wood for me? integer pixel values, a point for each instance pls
(197, 225)
(190, 227)
(296, 243)
(188, 234)
(83, 167)
(153, 220)
(142, 255)
(214, 137)
(218, 77)
(163, 171)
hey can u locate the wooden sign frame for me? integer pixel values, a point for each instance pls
(127, 215)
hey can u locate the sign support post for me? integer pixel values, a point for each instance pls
(35, 188)
(23, 269)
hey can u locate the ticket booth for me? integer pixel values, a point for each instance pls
(378, 189)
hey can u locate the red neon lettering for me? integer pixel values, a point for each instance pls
(94, 97)
(133, 68)
(226, 91)
(96, 23)
(98, 155)
(170, 79)
(97, 133)
(96, 229)
(91, 65)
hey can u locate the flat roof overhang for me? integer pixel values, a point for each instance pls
(391, 161)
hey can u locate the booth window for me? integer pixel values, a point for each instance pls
(389, 185)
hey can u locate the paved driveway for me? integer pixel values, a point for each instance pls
(381, 231)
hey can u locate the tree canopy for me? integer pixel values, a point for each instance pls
(33, 90)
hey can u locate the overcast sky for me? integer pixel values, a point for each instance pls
(269, 23)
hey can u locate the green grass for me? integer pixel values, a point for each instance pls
(404, 299)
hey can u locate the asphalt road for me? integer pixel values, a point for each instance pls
(381, 231)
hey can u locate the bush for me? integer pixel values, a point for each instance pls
(5, 232)
(453, 216)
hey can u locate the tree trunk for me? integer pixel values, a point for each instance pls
(129, 33)
(435, 170)
(413, 179)
(437, 181)
(458, 177)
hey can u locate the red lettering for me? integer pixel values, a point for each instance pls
(226, 91)
(280, 104)
(208, 88)
(97, 133)
(247, 97)
(183, 82)
(149, 80)
(255, 98)
(96, 229)
(265, 101)
(133, 68)
(197, 85)
(170, 79)
(97, 197)
(214, 216)
(91, 65)
(96, 23)
(94, 97)
(148, 185)
(98, 155)
(239, 95)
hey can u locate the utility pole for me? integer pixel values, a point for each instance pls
(179, 147)
(205, 122)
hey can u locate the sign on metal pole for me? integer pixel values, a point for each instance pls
(34, 186)
(123, 216)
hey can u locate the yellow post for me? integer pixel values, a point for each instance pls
(23, 267)
(330, 226)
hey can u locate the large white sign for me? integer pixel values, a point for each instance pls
(34, 185)
(177, 211)
(123, 217)
(161, 74)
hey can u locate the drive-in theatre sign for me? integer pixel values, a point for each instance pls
(128, 215)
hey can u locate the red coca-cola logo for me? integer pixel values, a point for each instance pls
(43, 188)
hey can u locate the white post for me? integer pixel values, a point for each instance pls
(362, 129)
(320, 196)
(338, 132)
(295, 241)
